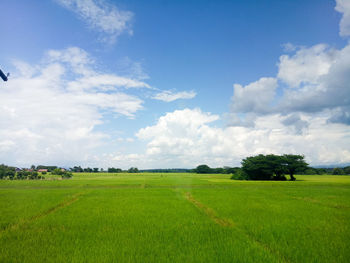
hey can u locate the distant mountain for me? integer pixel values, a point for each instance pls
(339, 165)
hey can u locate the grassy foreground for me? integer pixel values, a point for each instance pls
(175, 218)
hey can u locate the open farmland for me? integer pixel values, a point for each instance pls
(175, 218)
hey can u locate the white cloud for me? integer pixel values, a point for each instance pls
(43, 119)
(289, 47)
(132, 69)
(330, 90)
(185, 138)
(306, 66)
(169, 96)
(256, 96)
(101, 16)
(312, 81)
(343, 6)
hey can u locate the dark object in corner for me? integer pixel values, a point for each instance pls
(3, 76)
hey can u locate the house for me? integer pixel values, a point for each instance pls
(42, 170)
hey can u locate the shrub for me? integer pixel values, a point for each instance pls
(239, 175)
(66, 175)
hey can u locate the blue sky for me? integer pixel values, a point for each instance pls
(161, 84)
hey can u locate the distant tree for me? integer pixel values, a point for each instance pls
(239, 175)
(308, 171)
(77, 169)
(272, 167)
(338, 171)
(33, 175)
(114, 170)
(133, 170)
(294, 163)
(57, 171)
(231, 170)
(218, 170)
(66, 175)
(63, 173)
(87, 170)
(203, 169)
(7, 172)
(32, 167)
(95, 170)
(346, 170)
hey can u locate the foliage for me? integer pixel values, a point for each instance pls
(133, 170)
(346, 170)
(294, 163)
(77, 169)
(239, 175)
(338, 171)
(63, 173)
(272, 167)
(67, 175)
(171, 170)
(203, 169)
(7, 171)
(114, 170)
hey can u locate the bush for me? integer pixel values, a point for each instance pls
(67, 175)
(7, 172)
(239, 175)
(338, 171)
(57, 171)
(33, 175)
(203, 169)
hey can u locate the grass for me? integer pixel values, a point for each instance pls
(174, 218)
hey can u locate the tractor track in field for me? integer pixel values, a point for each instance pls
(51, 210)
(208, 211)
(229, 223)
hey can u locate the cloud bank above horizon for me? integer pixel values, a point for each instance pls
(56, 110)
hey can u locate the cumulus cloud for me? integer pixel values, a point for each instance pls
(296, 122)
(310, 81)
(169, 96)
(101, 16)
(185, 138)
(343, 6)
(256, 96)
(328, 91)
(313, 80)
(43, 118)
(307, 65)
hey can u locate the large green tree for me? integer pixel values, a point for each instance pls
(257, 168)
(293, 163)
(203, 169)
(272, 167)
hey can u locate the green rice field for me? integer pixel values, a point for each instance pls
(175, 218)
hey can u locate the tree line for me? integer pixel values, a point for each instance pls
(8, 172)
(13, 173)
(271, 167)
(79, 169)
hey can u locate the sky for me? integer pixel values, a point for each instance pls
(173, 84)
